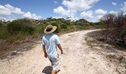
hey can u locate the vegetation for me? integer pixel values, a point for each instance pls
(115, 26)
(22, 30)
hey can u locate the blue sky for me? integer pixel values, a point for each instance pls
(91, 10)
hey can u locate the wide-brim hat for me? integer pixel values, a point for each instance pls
(50, 29)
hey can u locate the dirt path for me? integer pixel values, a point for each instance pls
(78, 58)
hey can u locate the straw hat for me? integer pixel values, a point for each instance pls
(50, 29)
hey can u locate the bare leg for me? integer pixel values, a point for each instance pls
(53, 72)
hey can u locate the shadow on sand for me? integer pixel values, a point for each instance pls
(47, 70)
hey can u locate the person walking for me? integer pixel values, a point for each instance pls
(50, 42)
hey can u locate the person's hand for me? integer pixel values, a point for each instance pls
(45, 55)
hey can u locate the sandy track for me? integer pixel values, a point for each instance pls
(78, 58)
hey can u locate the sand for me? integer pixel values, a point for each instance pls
(78, 58)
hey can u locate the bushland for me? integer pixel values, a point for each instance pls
(13, 33)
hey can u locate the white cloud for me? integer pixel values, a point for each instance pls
(2, 18)
(29, 15)
(124, 7)
(62, 11)
(73, 6)
(91, 17)
(87, 15)
(7, 18)
(9, 12)
(98, 17)
(70, 18)
(73, 18)
(68, 13)
(4, 10)
(79, 4)
(14, 9)
(57, 17)
(100, 12)
(113, 3)
(113, 12)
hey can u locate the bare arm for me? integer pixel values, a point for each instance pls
(44, 50)
(60, 48)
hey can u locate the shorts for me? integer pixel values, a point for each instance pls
(54, 62)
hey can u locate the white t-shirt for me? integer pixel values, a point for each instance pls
(51, 41)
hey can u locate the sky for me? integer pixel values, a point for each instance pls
(91, 10)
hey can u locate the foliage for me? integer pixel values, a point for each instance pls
(115, 26)
(21, 25)
(81, 22)
(13, 27)
(3, 23)
(40, 28)
(21, 30)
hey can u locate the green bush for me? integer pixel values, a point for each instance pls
(64, 26)
(28, 30)
(71, 28)
(21, 25)
(40, 28)
(13, 27)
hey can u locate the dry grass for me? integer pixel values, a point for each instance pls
(11, 44)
